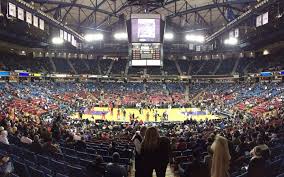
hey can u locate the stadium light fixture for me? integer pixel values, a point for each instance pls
(265, 52)
(169, 36)
(231, 41)
(57, 41)
(195, 38)
(120, 36)
(94, 37)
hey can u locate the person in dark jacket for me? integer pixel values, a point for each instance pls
(155, 152)
(197, 168)
(36, 146)
(113, 169)
(96, 168)
(259, 165)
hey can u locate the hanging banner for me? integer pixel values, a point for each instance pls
(231, 34)
(35, 20)
(198, 48)
(65, 35)
(69, 37)
(29, 17)
(258, 21)
(21, 14)
(265, 18)
(61, 34)
(41, 24)
(12, 9)
(237, 33)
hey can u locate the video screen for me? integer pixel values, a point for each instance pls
(145, 30)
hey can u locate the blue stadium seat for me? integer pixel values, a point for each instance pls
(42, 160)
(60, 175)
(69, 151)
(85, 162)
(29, 156)
(46, 170)
(20, 169)
(29, 163)
(13, 175)
(102, 152)
(82, 155)
(71, 159)
(74, 171)
(35, 172)
(281, 175)
(56, 166)
(91, 151)
(275, 167)
(243, 175)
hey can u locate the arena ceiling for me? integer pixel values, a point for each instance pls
(83, 15)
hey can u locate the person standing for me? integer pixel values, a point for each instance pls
(137, 140)
(221, 157)
(155, 152)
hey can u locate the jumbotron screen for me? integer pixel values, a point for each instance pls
(145, 28)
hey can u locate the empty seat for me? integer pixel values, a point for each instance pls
(102, 152)
(57, 167)
(83, 155)
(60, 175)
(70, 151)
(20, 169)
(29, 156)
(35, 172)
(84, 162)
(74, 171)
(91, 151)
(42, 160)
(71, 159)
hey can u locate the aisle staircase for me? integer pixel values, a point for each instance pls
(178, 67)
(217, 67)
(71, 66)
(235, 66)
(110, 67)
(52, 64)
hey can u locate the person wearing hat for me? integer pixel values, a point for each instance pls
(113, 169)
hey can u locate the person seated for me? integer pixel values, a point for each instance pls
(3, 137)
(113, 169)
(50, 148)
(197, 168)
(36, 146)
(6, 166)
(96, 168)
(80, 145)
(259, 165)
(25, 139)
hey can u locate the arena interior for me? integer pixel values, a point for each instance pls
(141, 88)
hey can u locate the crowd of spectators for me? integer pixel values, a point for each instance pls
(38, 136)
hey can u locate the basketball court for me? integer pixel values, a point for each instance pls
(174, 114)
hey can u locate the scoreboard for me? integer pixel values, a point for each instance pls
(145, 35)
(146, 54)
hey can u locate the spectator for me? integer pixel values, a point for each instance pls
(164, 156)
(137, 140)
(96, 168)
(36, 146)
(3, 137)
(149, 152)
(5, 166)
(259, 165)
(80, 144)
(196, 168)
(221, 157)
(25, 139)
(114, 169)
